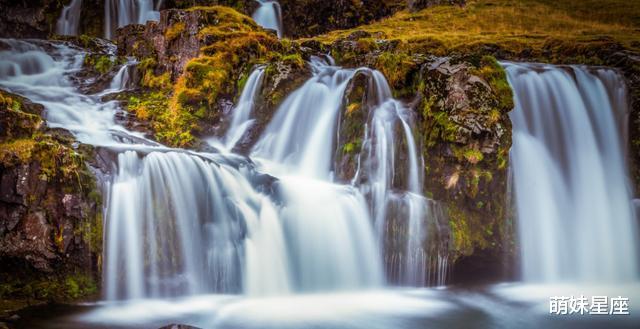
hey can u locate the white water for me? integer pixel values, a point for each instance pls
(45, 77)
(332, 246)
(119, 13)
(241, 119)
(69, 19)
(575, 215)
(269, 16)
(397, 197)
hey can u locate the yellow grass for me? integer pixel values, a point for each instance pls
(514, 24)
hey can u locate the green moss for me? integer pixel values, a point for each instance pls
(492, 72)
(174, 31)
(473, 156)
(234, 43)
(59, 288)
(100, 63)
(294, 59)
(395, 66)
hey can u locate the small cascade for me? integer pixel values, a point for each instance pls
(303, 138)
(119, 13)
(269, 16)
(41, 71)
(241, 118)
(121, 81)
(69, 19)
(176, 224)
(574, 210)
(397, 201)
(331, 247)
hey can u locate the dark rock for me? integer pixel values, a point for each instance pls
(178, 326)
(28, 19)
(49, 207)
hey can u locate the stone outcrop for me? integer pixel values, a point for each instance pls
(460, 107)
(193, 65)
(50, 209)
(28, 19)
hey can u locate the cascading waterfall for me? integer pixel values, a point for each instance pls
(575, 215)
(119, 13)
(269, 16)
(69, 19)
(182, 223)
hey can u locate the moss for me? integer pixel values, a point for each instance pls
(174, 31)
(294, 59)
(492, 72)
(100, 63)
(16, 151)
(473, 156)
(179, 106)
(395, 66)
(59, 288)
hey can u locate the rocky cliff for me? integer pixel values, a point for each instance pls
(50, 209)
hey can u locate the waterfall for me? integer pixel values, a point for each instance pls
(392, 197)
(331, 246)
(119, 13)
(241, 117)
(175, 226)
(269, 16)
(300, 141)
(180, 223)
(574, 211)
(69, 19)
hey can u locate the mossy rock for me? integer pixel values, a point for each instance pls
(51, 237)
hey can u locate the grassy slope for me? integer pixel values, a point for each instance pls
(514, 25)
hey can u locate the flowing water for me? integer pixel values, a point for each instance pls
(220, 240)
(572, 192)
(241, 118)
(69, 19)
(269, 16)
(119, 13)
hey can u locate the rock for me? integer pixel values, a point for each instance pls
(28, 19)
(50, 222)
(178, 326)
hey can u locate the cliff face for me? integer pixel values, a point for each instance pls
(50, 209)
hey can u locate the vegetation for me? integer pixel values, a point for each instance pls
(514, 26)
(234, 43)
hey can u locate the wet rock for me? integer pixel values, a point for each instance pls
(49, 206)
(178, 326)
